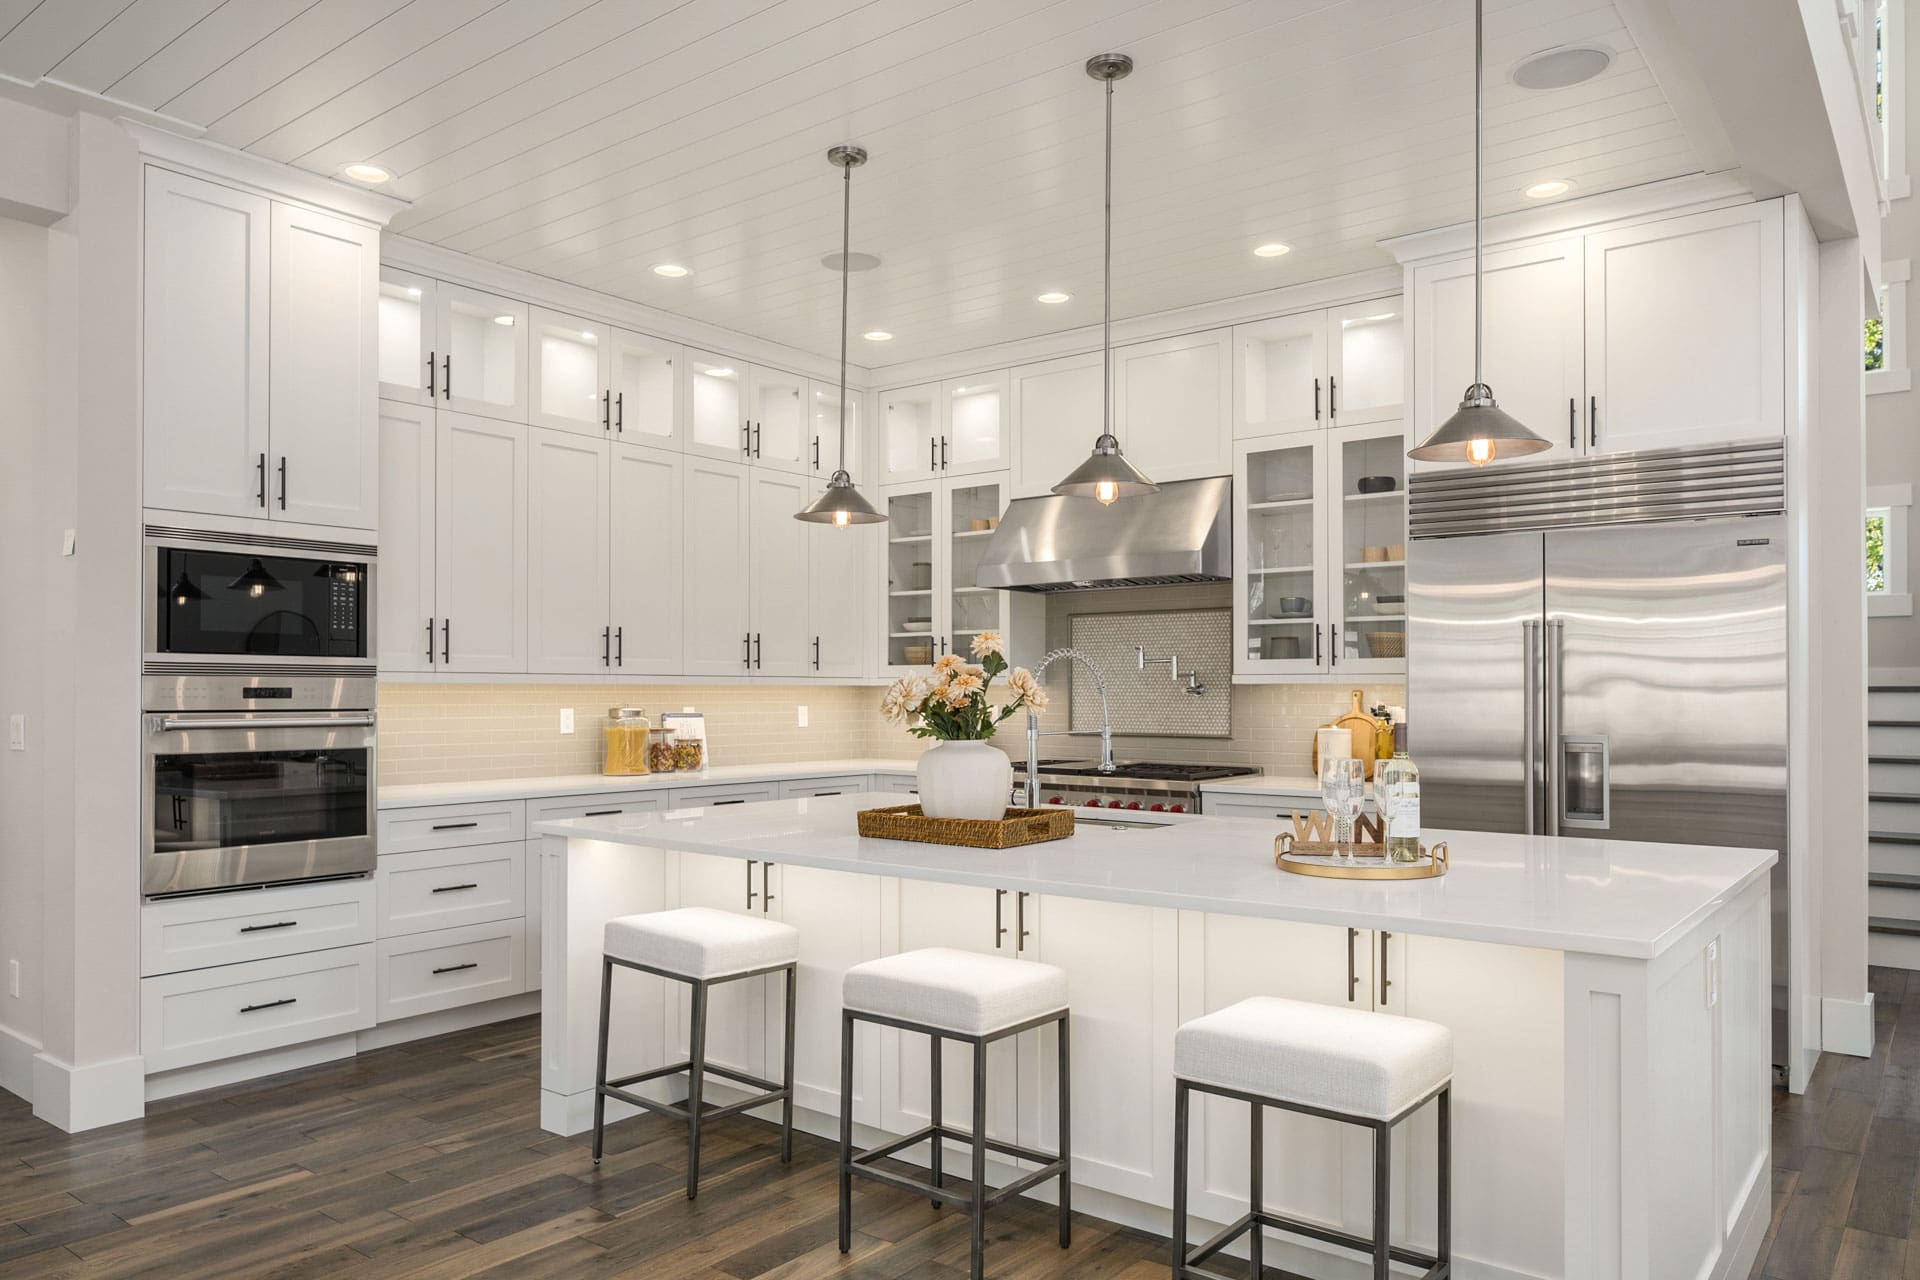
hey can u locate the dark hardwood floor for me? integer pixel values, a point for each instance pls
(427, 1160)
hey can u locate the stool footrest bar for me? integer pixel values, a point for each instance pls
(1025, 1180)
(1190, 1270)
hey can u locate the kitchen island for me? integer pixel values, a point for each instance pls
(1609, 1003)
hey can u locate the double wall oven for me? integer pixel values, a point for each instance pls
(258, 723)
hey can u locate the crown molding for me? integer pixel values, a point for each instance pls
(591, 304)
(1669, 197)
(69, 100)
(267, 177)
(1313, 295)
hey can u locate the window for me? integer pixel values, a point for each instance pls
(1885, 551)
(1885, 336)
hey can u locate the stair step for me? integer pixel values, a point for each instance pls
(1887, 924)
(1893, 759)
(1892, 880)
(1893, 724)
(1893, 950)
(1893, 688)
(1893, 797)
(1892, 738)
(1892, 837)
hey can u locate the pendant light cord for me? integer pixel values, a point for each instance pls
(1479, 145)
(1106, 320)
(846, 244)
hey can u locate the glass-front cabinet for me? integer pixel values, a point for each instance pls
(646, 390)
(714, 388)
(952, 428)
(568, 370)
(483, 353)
(406, 338)
(823, 404)
(1320, 526)
(936, 534)
(1320, 370)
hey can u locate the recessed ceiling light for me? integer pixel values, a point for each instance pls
(363, 172)
(1273, 250)
(671, 270)
(505, 320)
(1560, 68)
(1549, 189)
(722, 372)
(877, 335)
(1053, 297)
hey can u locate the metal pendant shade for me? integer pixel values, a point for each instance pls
(1106, 476)
(842, 505)
(1479, 431)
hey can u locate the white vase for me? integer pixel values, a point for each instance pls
(969, 779)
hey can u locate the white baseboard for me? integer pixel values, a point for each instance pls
(76, 1098)
(1846, 1026)
(17, 1051)
(250, 1066)
(423, 1025)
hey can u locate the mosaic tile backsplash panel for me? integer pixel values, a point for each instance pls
(1148, 700)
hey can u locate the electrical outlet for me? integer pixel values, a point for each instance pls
(803, 717)
(67, 540)
(566, 719)
(13, 978)
(16, 733)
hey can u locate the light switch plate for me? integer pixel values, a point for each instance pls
(16, 733)
(803, 717)
(66, 543)
(566, 719)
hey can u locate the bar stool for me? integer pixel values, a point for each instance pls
(701, 948)
(975, 999)
(1366, 1069)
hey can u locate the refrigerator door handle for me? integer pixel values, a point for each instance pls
(1552, 753)
(1529, 718)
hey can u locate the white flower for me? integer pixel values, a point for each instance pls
(986, 642)
(1029, 692)
(962, 688)
(948, 663)
(902, 699)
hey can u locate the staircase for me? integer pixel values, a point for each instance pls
(1893, 825)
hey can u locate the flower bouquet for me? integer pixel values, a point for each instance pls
(964, 775)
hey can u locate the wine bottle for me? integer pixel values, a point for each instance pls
(1400, 803)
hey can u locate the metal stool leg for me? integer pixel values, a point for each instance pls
(600, 1074)
(979, 1250)
(846, 1131)
(1257, 1189)
(1066, 1141)
(1382, 1191)
(1180, 1101)
(1444, 1232)
(786, 1108)
(696, 1079)
(934, 1108)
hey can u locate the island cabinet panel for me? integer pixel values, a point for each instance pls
(736, 1011)
(838, 916)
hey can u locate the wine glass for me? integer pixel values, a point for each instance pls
(1354, 797)
(1333, 790)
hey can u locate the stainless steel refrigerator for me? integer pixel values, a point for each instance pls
(1599, 648)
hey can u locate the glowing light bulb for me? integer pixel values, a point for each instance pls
(256, 590)
(841, 519)
(1106, 492)
(1479, 451)
(181, 599)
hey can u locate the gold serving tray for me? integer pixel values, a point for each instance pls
(1369, 861)
(1013, 829)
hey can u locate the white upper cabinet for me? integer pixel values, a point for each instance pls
(714, 620)
(568, 369)
(1686, 330)
(324, 369)
(974, 439)
(1280, 374)
(782, 423)
(409, 359)
(1282, 588)
(1173, 405)
(206, 326)
(823, 408)
(911, 423)
(910, 580)
(406, 637)
(646, 390)
(568, 542)
(1366, 368)
(1056, 419)
(480, 543)
(648, 542)
(837, 596)
(777, 593)
(483, 353)
(1533, 359)
(714, 391)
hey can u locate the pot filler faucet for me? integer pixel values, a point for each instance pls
(1033, 721)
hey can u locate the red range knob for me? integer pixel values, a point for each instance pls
(1053, 799)
(1134, 805)
(1158, 808)
(1176, 808)
(1113, 804)
(1093, 804)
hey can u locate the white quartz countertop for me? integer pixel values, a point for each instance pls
(417, 795)
(1266, 784)
(1560, 893)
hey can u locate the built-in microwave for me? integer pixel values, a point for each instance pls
(255, 602)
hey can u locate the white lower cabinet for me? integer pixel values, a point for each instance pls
(442, 888)
(736, 1011)
(838, 916)
(223, 1012)
(229, 928)
(427, 972)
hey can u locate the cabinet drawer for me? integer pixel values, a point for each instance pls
(700, 797)
(822, 786)
(899, 784)
(1267, 807)
(206, 1014)
(229, 928)
(441, 888)
(425, 972)
(613, 802)
(447, 826)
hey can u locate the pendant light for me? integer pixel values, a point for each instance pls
(256, 581)
(841, 505)
(1479, 431)
(1107, 475)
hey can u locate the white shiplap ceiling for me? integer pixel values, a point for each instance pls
(589, 139)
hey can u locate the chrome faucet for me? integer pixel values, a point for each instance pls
(1033, 722)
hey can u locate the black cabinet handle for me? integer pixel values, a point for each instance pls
(1353, 973)
(263, 481)
(271, 1004)
(943, 453)
(1020, 923)
(454, 826)
(446, 640)
(1385, 982)
(446, 375)
(1593, 422)
(718, 802)
(816, 653)
(1333, 644)
(455, 968)
(1333, 397)
(606, 409)
(751, 895)
(816, 453)
(933, 454)
(601, 813)
(619, 647)
(747, 650)
(262, 928)
(620, 412)
(756, 651)
(999, 927)
(766, 892)
(756, 438)
(283, 482)
(433, 389)
(429, 641)
(455, 888)
(606, 646)
(746, 438)
(1316, 399)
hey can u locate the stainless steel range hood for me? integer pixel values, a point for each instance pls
(1183, 533)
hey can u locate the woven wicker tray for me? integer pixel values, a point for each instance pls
(1017, 827)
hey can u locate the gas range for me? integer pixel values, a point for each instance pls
(1145, 785)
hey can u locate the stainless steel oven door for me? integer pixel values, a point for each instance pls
(256, 798)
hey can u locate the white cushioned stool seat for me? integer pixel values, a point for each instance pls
(698, 942)
(1374, 1065)
(959, 991)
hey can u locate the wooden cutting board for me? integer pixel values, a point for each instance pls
(1364, 728)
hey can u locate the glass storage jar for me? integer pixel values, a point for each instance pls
(689, 755)
(660, 757)
(626, 742)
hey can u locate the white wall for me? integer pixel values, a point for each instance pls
(1893, 418)
(25, 537)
